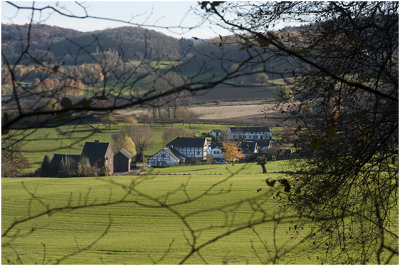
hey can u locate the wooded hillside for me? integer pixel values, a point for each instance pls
(66, 45)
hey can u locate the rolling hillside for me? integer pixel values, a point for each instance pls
(62, 44)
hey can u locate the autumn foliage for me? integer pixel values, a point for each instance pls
(232, 152)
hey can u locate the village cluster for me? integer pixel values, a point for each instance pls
(250, 140)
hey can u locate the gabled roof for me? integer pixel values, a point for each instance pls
(187, 142)
(216, 145)
(57, 158)
(263, 142)
(249, 129)
(95, 149)
(125, 153)
(174, 153)
(248, 147)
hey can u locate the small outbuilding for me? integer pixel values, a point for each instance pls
(122, 161)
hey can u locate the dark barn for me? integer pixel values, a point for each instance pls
(122, 161)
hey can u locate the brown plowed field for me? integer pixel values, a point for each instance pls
(251, 114)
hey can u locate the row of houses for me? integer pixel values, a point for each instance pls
(248, 148)
(252, 140)
(245, 133)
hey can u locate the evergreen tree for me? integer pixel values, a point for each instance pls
(46, 170)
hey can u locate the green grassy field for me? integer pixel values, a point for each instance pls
(166, 211)
(140, 234)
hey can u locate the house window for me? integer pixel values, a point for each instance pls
(198, 153)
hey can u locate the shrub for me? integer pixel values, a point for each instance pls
(85, 169)
(104, 171)
(131, 120)
(45, 169)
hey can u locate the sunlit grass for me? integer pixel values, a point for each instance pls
(138, 233)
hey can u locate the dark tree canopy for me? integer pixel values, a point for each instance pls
(345, 102)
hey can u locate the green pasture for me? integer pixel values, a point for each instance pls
(142, 232)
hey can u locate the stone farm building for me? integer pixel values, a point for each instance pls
(99, 154)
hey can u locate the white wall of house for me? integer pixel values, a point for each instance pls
(162, 158)
(249, 135)
(193, 152)
(217, 153)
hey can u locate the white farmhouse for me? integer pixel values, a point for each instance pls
(216, 150)
(249, 133)
(166, 157)
(191, 148)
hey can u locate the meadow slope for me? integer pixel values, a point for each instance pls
(140, 234)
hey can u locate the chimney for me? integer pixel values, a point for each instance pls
(96, 141)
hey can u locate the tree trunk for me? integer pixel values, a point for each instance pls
(263, 168)
(169, 113)
(154, 114)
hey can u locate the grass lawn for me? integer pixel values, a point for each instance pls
(140, 234)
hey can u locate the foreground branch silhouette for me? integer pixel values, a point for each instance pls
(340, 70)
